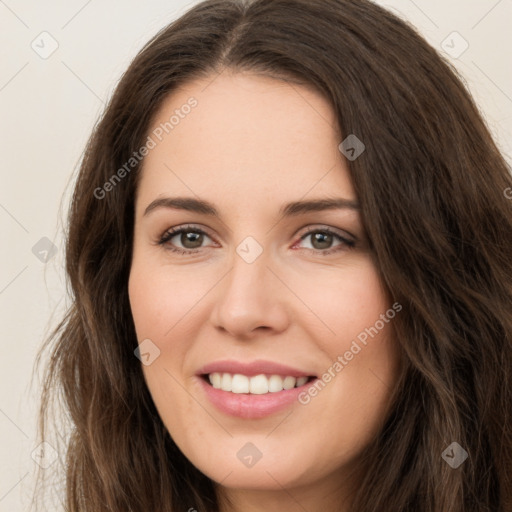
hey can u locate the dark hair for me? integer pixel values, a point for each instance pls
(431, 185)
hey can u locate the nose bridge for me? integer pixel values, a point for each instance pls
(247, 299)
(246, 282)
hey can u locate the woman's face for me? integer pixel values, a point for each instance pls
(275, 289)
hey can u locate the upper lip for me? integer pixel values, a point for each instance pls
(252, 368)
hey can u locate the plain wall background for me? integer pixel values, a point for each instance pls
(48, 108)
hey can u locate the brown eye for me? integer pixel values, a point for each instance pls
(183, 240)
(322, 241)
(191, 240)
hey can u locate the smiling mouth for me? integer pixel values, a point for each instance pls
(255, 385)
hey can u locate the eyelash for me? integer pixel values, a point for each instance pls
(171, 233)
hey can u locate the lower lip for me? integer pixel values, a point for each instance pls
(248, 406)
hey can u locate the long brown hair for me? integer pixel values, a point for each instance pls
(432, 187)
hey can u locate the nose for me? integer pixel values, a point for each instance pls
(250, 299)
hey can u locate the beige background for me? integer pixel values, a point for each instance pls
(47, 110)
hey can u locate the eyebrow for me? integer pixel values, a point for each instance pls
(291, 209)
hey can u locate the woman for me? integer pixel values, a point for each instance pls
(289, 250)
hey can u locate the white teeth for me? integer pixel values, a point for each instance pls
(225, 383)
(257, 385)
(289, 382)
(240, 384)
(275, 383)
(215, 380)
(301, 381)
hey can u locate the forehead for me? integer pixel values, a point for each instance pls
(245, 137)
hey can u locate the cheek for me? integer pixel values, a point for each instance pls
(166, 309)
(363, 358)
(345, 300)
(160, 300)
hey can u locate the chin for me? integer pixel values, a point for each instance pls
(259, 463)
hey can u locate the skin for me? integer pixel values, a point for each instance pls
(251, 145)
